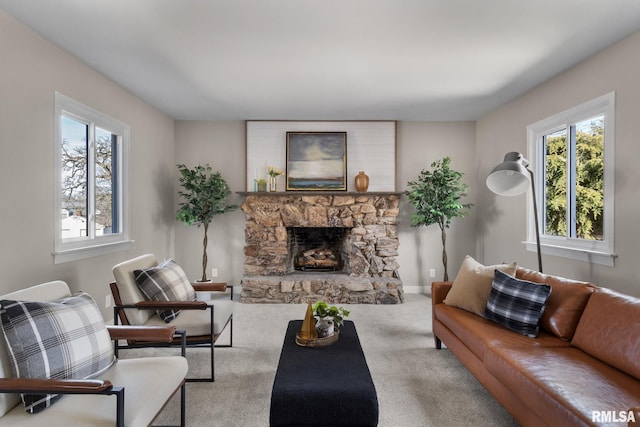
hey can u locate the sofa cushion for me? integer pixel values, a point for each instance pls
(609, 330)
(472, 285)
(516, 304)
(165, 282)
(564, 306)
(564, 386)
(478, 334)
(61, 339)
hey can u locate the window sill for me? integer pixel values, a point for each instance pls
(593, 257)
(68, 255)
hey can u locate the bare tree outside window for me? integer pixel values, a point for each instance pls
(80, 172)
(105, 150)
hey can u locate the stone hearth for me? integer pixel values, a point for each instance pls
(369, 249)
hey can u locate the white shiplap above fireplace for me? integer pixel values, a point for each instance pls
(371, 147)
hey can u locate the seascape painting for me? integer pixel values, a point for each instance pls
(316, 161)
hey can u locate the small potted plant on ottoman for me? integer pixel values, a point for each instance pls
(328, 318)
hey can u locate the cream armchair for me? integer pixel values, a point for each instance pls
(149, 382)
(203, 321)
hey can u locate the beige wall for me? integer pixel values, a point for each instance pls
(501, 221)
(33, 69)
(221, 144)
(419, 145)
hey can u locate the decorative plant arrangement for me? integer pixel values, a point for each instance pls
(322, 310)
(328, 317)
(261, 184)
(204, 195)
(436, 198)
(273, 173)
(319, 325)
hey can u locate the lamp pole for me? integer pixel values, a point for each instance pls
(535, 218)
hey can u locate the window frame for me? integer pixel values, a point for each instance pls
(594, 251)
(66, 250)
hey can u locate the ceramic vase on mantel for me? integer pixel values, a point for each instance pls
(362, 182)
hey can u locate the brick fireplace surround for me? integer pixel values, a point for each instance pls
(369, 250)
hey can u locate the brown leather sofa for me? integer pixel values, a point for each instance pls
(583, 368)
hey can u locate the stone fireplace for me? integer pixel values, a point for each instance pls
(340, 248)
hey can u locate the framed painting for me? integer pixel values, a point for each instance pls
(316, 161)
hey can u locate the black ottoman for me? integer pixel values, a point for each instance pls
(323, 386)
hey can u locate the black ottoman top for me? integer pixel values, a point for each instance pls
(323, 386)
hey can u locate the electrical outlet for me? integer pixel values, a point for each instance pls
(107, 301)
(214, 272)
(432, 272)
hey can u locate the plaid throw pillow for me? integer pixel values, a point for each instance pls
(517, 304)
(63, 339)
(166, 282)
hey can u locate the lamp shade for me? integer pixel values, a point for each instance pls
(511, 177)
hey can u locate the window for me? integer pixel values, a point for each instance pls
(90, 182)
(573, 163)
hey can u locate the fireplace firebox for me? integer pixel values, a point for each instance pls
(317, 249)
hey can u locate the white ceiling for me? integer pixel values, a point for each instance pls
(329, 59)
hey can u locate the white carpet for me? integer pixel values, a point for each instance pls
(417, 385)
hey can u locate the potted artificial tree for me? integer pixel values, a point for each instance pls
(436, 198)
(204, 193)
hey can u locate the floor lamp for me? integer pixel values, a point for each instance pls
(511, 178)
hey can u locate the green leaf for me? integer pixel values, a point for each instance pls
(436, 195)
(203, 194)
(321, 309)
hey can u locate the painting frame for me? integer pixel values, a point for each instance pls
(316, 161)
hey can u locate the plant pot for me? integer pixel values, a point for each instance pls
(202, 295)
(325, 327)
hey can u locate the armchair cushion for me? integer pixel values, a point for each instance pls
(128, 289)
(166, 282)
(198, 322)
(61, 339)
(148, 382)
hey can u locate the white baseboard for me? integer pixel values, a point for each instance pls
(419, 289)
